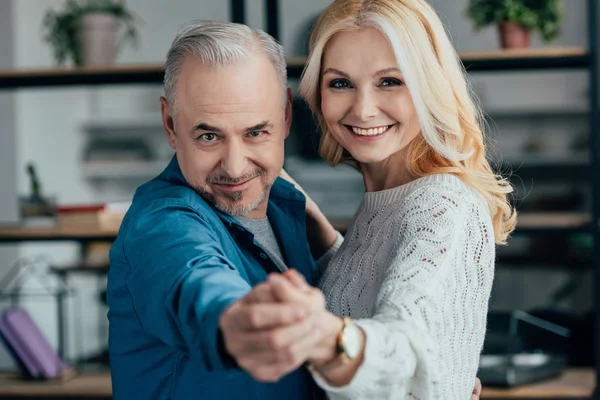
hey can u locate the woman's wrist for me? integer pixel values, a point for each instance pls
(334, 367)
(327, 350)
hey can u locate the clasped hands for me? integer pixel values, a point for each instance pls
(281, 324)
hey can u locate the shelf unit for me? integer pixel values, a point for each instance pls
(530, 222)
(123, 169)
(490, 61)
(474, 62)
(576, 383)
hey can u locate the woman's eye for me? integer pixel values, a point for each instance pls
(339, 84)
(390, 82)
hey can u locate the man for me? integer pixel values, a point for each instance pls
(211, 226)
(198, 237)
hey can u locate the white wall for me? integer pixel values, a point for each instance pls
(8, 200)
(47, 122)
(49, 131)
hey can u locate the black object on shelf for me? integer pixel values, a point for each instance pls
(519, 369)
(521, 348)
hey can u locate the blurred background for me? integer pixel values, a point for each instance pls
(81, 130)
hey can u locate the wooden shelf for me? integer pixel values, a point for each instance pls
(574, 383)
(15, 234)
(546, 261)
(118, 74)
(574, 159)
(80, 269)
(123, 169)
(536, 113)
(530, 59)
(84, 386)
(527, 222)
(527, 59)
(549, 222)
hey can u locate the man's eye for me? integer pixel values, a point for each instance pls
(255, 134)
(339, 84)
(208, 137)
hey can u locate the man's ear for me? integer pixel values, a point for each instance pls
(288, 111)
(168, 121)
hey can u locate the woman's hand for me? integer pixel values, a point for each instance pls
(311, 206)
(321, 235)
(291, 287)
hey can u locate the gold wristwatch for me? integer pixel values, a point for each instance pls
(349, 340)
(348, 346)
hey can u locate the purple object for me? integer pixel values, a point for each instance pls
(29, 346)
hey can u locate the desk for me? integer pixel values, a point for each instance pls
(86, 386)
(574, 383)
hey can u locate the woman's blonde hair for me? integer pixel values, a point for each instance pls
(451, 139)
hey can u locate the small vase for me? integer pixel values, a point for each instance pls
(99, 39)
(513, 36)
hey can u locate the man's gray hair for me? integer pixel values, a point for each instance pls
(217, 43)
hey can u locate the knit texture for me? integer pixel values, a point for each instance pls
(415, 272)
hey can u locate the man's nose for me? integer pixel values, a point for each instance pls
(365, 105)
(235, 159)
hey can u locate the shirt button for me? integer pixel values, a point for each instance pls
(263, 255)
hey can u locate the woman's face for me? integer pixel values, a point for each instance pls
(364, 101)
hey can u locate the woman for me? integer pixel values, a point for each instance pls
(415, 270)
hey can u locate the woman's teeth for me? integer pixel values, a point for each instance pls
(370, 131)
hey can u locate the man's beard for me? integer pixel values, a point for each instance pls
(236, 207)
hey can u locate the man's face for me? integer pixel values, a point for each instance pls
(229, 131)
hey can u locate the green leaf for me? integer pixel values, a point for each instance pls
(545, 16)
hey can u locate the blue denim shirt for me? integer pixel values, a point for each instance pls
(176, 264)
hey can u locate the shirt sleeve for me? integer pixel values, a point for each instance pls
(180, 281)
(402, 351)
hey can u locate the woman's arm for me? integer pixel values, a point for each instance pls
(401, 350)
(322, 237)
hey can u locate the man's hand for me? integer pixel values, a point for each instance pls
(266, 338)
(291, 287)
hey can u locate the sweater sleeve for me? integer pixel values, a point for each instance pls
(326, 258)
(402, 351)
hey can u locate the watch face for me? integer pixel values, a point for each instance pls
(352, 341)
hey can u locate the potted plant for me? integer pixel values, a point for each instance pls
(516, 19)
(87, 33)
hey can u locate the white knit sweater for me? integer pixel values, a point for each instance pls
(415, 271)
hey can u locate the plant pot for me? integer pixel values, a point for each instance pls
(513, 36)
(99, 39)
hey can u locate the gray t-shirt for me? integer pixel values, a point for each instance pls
(264, 235)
